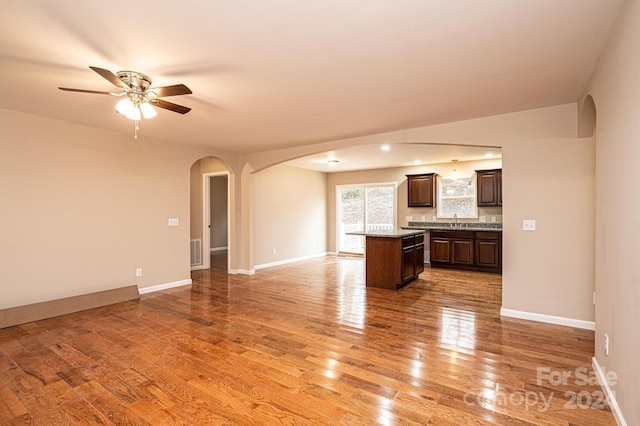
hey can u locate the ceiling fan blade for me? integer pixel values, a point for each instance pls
(170, 106)
(113, 79)
(97, 92)
(176, 89)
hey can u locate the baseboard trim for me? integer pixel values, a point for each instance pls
(214, 249)
(550, 319)
(242, 271)
(611, 396)
(287, 261)
(159, 287)
(68, 305)
(197, 267)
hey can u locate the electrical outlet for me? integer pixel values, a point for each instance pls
(493, 219)
(606, 344)
(138, 272)
(528, 225)
(433, 218)
(274, 251)
(409, 218)
(483, 219)
(424, 218)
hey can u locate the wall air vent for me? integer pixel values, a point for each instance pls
(196, 252)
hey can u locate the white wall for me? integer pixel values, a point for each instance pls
(290, 214)
(615, 88)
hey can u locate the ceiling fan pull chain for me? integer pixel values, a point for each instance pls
(135, 130)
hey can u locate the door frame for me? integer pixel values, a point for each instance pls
(206, 218)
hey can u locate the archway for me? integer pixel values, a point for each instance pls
(210, 233)
(587, 118)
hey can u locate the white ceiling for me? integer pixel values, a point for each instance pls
(399, 155)
(271, 74)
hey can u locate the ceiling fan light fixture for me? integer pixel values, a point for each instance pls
(125, 106)
(138, 99)
(134, 114)
(147, 110)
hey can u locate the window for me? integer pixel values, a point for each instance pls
(457, 198)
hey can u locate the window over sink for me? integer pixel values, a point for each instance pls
(457, 198)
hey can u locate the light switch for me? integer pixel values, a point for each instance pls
(528, 225)
(173, 221)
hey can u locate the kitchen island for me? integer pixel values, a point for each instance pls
(393, 257)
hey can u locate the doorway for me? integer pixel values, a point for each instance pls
(215, 223)
(369, 207)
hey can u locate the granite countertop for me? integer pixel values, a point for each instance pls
(390, 233)
(466, 226)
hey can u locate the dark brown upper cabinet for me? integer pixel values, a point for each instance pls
(422, 190)
(489, 187)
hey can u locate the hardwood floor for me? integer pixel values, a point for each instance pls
(305, 343)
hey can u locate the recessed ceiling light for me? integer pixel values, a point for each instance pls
(333, 163)
(385, 147)
(489, 155)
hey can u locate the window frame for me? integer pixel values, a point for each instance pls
(442, 198)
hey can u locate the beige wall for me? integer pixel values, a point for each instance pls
(550, 270)
(398, 175)
(290, 214)
(82, 208)
(614, 88)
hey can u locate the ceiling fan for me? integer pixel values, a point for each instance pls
(138, 97)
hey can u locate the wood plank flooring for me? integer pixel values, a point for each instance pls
(303, 344)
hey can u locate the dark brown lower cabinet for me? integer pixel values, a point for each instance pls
(419, 256)
(469, 250)
(487, 250)
(392, 262)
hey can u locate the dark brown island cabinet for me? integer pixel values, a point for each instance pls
(468, 250)
(421, 190)
(395, 260)
(489, 187)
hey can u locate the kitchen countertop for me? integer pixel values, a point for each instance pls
(389, 233)
(466, 226)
